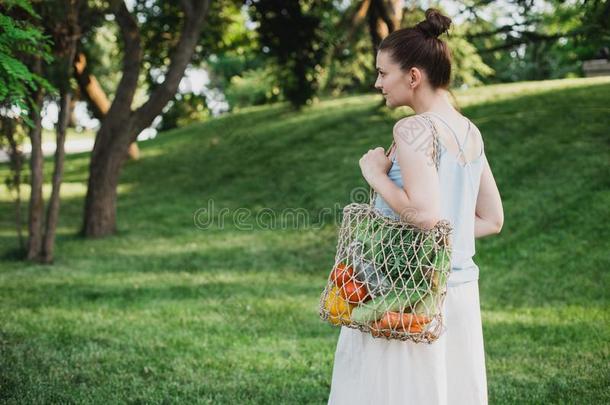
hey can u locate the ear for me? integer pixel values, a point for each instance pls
(414, 77)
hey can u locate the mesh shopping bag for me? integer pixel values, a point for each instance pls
(389, 277)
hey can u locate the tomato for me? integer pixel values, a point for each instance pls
(341, 274)
(354, 292)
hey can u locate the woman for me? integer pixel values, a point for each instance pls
(414, 68)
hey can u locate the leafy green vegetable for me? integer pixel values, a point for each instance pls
(404, 255)
(426, 306)
(425, 253)
(375, 308)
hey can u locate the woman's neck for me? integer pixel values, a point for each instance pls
(433, 100)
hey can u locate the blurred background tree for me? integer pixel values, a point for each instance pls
(537, 40)
(290, 37)
(134, 71)
(24, 48)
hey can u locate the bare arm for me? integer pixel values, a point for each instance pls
(489, 214)
(418, 201)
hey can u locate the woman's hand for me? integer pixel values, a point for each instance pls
(374, 163)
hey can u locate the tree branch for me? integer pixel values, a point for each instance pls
(502, 29)
(132, 58)
(352, 22)
(90, 88)
(163, 93)
(531, 37)
(389, 13)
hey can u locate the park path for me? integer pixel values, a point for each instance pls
(48, 148)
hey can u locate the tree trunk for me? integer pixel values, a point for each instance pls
(349, 24)
(72, 115)
(95, 96)
(383, 17)
(390, 11)
(121, 126)
(16, 164)
(67, 49)
(377, 28)
(36, 207)
(100, 203)
(53, 206)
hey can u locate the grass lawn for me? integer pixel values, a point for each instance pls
(169, 312)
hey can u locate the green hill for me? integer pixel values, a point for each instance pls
(167, 311)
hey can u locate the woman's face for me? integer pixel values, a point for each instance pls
(392, 81)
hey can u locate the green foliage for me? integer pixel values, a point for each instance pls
(348, 66)
(290, 33)
(239, 69)
(20, 39)
(161, 23)
(185, 109)
(543, 42)
(353, 68)
(160, 29)
(468, 67)
(253, 87)
(103, 55)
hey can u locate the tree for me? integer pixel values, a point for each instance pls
(238, 69)
(23, 48)
(62, 23)
(158, 41)
(159, 22)
(289, 32)
(121, 124)
(538, 43)
(353, 37)
(20, 38)
(93, 93)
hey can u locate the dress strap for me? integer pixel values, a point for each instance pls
(467, 166)
(460, 145)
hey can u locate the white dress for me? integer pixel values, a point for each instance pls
(451, 370)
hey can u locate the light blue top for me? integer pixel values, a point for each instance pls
(459, 187)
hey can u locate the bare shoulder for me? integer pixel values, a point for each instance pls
(410, 128)
(478, 136)
(475, 129)
(413, 137)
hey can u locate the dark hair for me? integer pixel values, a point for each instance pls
(420, 46)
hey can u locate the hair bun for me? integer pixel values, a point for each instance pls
(435, 23)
